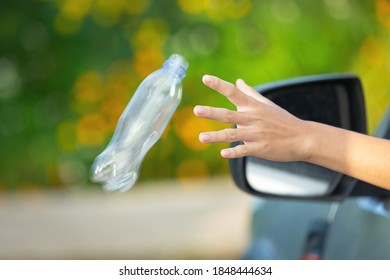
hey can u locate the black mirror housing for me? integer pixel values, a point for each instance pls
(334, 99)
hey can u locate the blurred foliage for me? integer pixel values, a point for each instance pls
(69, 67)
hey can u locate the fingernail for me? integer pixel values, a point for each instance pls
(204, 137)
(200, 110)
(225, 153)
(207, 78)
(241, 81)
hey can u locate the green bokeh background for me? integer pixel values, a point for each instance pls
(69, 67)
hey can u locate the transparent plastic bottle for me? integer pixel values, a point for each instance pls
(140, 126)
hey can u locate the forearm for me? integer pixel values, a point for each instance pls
(361, 156)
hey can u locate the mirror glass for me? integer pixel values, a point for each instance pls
(325, 103)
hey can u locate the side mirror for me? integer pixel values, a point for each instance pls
(334, 99)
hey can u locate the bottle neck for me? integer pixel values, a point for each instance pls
(176, 65)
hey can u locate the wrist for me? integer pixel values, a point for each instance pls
(309, 143)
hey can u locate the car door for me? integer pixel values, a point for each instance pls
(283, 229)
(359, 231)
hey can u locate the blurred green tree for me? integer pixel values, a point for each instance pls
(69, 67)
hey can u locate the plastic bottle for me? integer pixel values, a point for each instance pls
(140, 126)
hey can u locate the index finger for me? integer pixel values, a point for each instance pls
(236, 96)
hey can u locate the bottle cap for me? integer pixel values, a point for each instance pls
(177, 64)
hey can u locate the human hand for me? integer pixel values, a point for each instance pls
(266, 130)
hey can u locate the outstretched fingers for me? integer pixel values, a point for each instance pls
(250, 91)
(221, 115)
(236, 96)
(230, 135)
(227, 135)
(247, 101)
(237, 151)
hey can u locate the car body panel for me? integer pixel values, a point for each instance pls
(357, 233)
(279, 227)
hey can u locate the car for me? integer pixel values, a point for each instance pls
(304, 211)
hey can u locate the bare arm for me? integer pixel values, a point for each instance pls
(270, 132)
